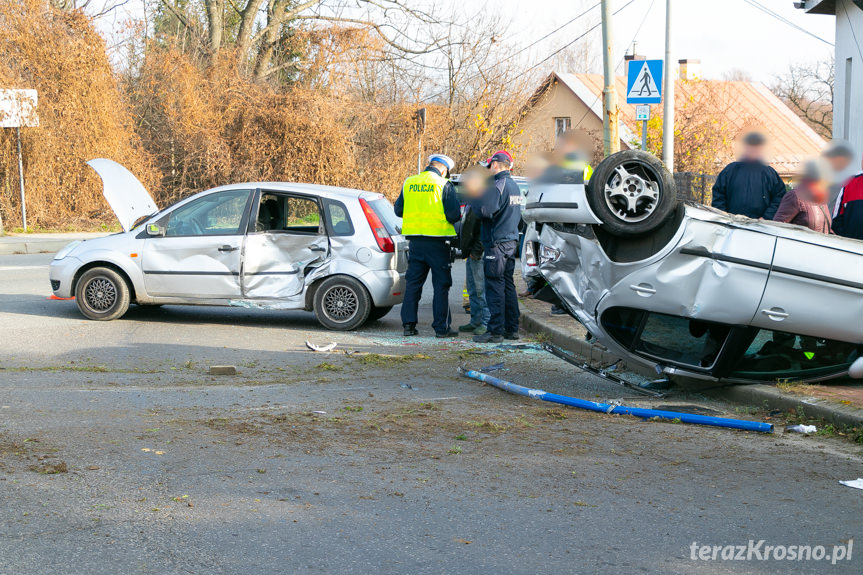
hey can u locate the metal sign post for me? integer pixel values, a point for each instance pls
(642, 113)
(17, 109)
(21, 180)
(421, 128)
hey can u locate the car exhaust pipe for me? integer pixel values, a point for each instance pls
(618, 409)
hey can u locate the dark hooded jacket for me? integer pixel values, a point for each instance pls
(749, 188)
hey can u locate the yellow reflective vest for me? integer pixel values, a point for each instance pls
(577, 165)
(423, 213)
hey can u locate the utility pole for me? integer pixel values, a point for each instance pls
(610, 113)
(668, 104)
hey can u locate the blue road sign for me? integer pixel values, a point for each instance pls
(644, 82)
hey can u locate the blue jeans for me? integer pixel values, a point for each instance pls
(479, 313)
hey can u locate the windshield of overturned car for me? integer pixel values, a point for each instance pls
(727, 351)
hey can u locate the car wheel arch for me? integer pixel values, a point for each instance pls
(105, 264)
(316, 283)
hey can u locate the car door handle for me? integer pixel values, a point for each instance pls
(317, 248)
(226, 248)
(642, 290)
(775, 314)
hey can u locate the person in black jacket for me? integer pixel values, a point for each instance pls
(500, 208)
(749, 187)
(473, 182)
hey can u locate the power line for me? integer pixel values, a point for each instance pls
(555, 31)
(634, 36)
(550, 56)
(577, 38)
(784, 20)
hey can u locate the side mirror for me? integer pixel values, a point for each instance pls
(155, 230)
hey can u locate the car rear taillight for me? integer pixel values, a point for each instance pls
(382, 236)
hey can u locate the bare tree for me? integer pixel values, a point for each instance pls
(262, 30)
(808, 90)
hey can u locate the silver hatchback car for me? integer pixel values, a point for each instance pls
(269, 245)
(692, 290)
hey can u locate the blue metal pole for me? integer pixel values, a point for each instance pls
(619, 409)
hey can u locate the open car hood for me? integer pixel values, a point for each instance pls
(125, 194)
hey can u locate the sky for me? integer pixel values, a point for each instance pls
(725, 35)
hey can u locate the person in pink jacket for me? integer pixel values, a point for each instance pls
(806, 205)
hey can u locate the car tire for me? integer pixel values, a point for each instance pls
(377, 313)
(342, 303)
(102, 294)
(632, 193)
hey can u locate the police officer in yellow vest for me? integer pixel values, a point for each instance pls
(429, 206)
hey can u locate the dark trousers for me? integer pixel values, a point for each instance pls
(500, 292)
(428, 254)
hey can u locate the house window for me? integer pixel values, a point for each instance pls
(561, 125)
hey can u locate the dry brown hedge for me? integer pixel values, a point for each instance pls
(184, 121)
(82, 116)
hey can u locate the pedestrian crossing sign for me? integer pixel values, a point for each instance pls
(644, 82)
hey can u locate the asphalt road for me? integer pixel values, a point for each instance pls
(381, 461)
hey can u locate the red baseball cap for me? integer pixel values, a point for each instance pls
(499, 156)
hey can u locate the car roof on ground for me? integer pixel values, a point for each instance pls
(333, 192)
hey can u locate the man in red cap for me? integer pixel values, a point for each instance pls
(500, 209)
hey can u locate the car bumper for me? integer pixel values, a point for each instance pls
(387, 287)
(61, 274)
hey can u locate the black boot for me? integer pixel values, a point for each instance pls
(410, 329)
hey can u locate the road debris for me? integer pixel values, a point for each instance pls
(406, 386)
(855, 483)
(800, 428)
(491, 368)
(223, 370)
(329, 347)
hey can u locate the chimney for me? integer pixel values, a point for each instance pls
(628, 58)
(689, 69)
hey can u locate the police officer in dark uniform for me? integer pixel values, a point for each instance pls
(429, 206)
(500, 208)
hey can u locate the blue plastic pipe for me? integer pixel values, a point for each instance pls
(619, 409)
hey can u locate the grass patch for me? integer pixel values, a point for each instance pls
(379, 359)
(487, 425)
(329, 367)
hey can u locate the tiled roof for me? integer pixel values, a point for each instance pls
(749, 105)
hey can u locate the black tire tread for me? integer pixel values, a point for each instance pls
(365, 303)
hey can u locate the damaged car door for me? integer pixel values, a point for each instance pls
(195, 250)
(711, 267)
(288, 239)
(680, 310)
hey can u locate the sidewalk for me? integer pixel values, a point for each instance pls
(839, 401)
(41, 243)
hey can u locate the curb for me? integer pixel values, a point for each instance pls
(758, 395)
(768, 396)
(32, 247)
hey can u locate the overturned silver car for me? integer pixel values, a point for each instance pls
(692, 290)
